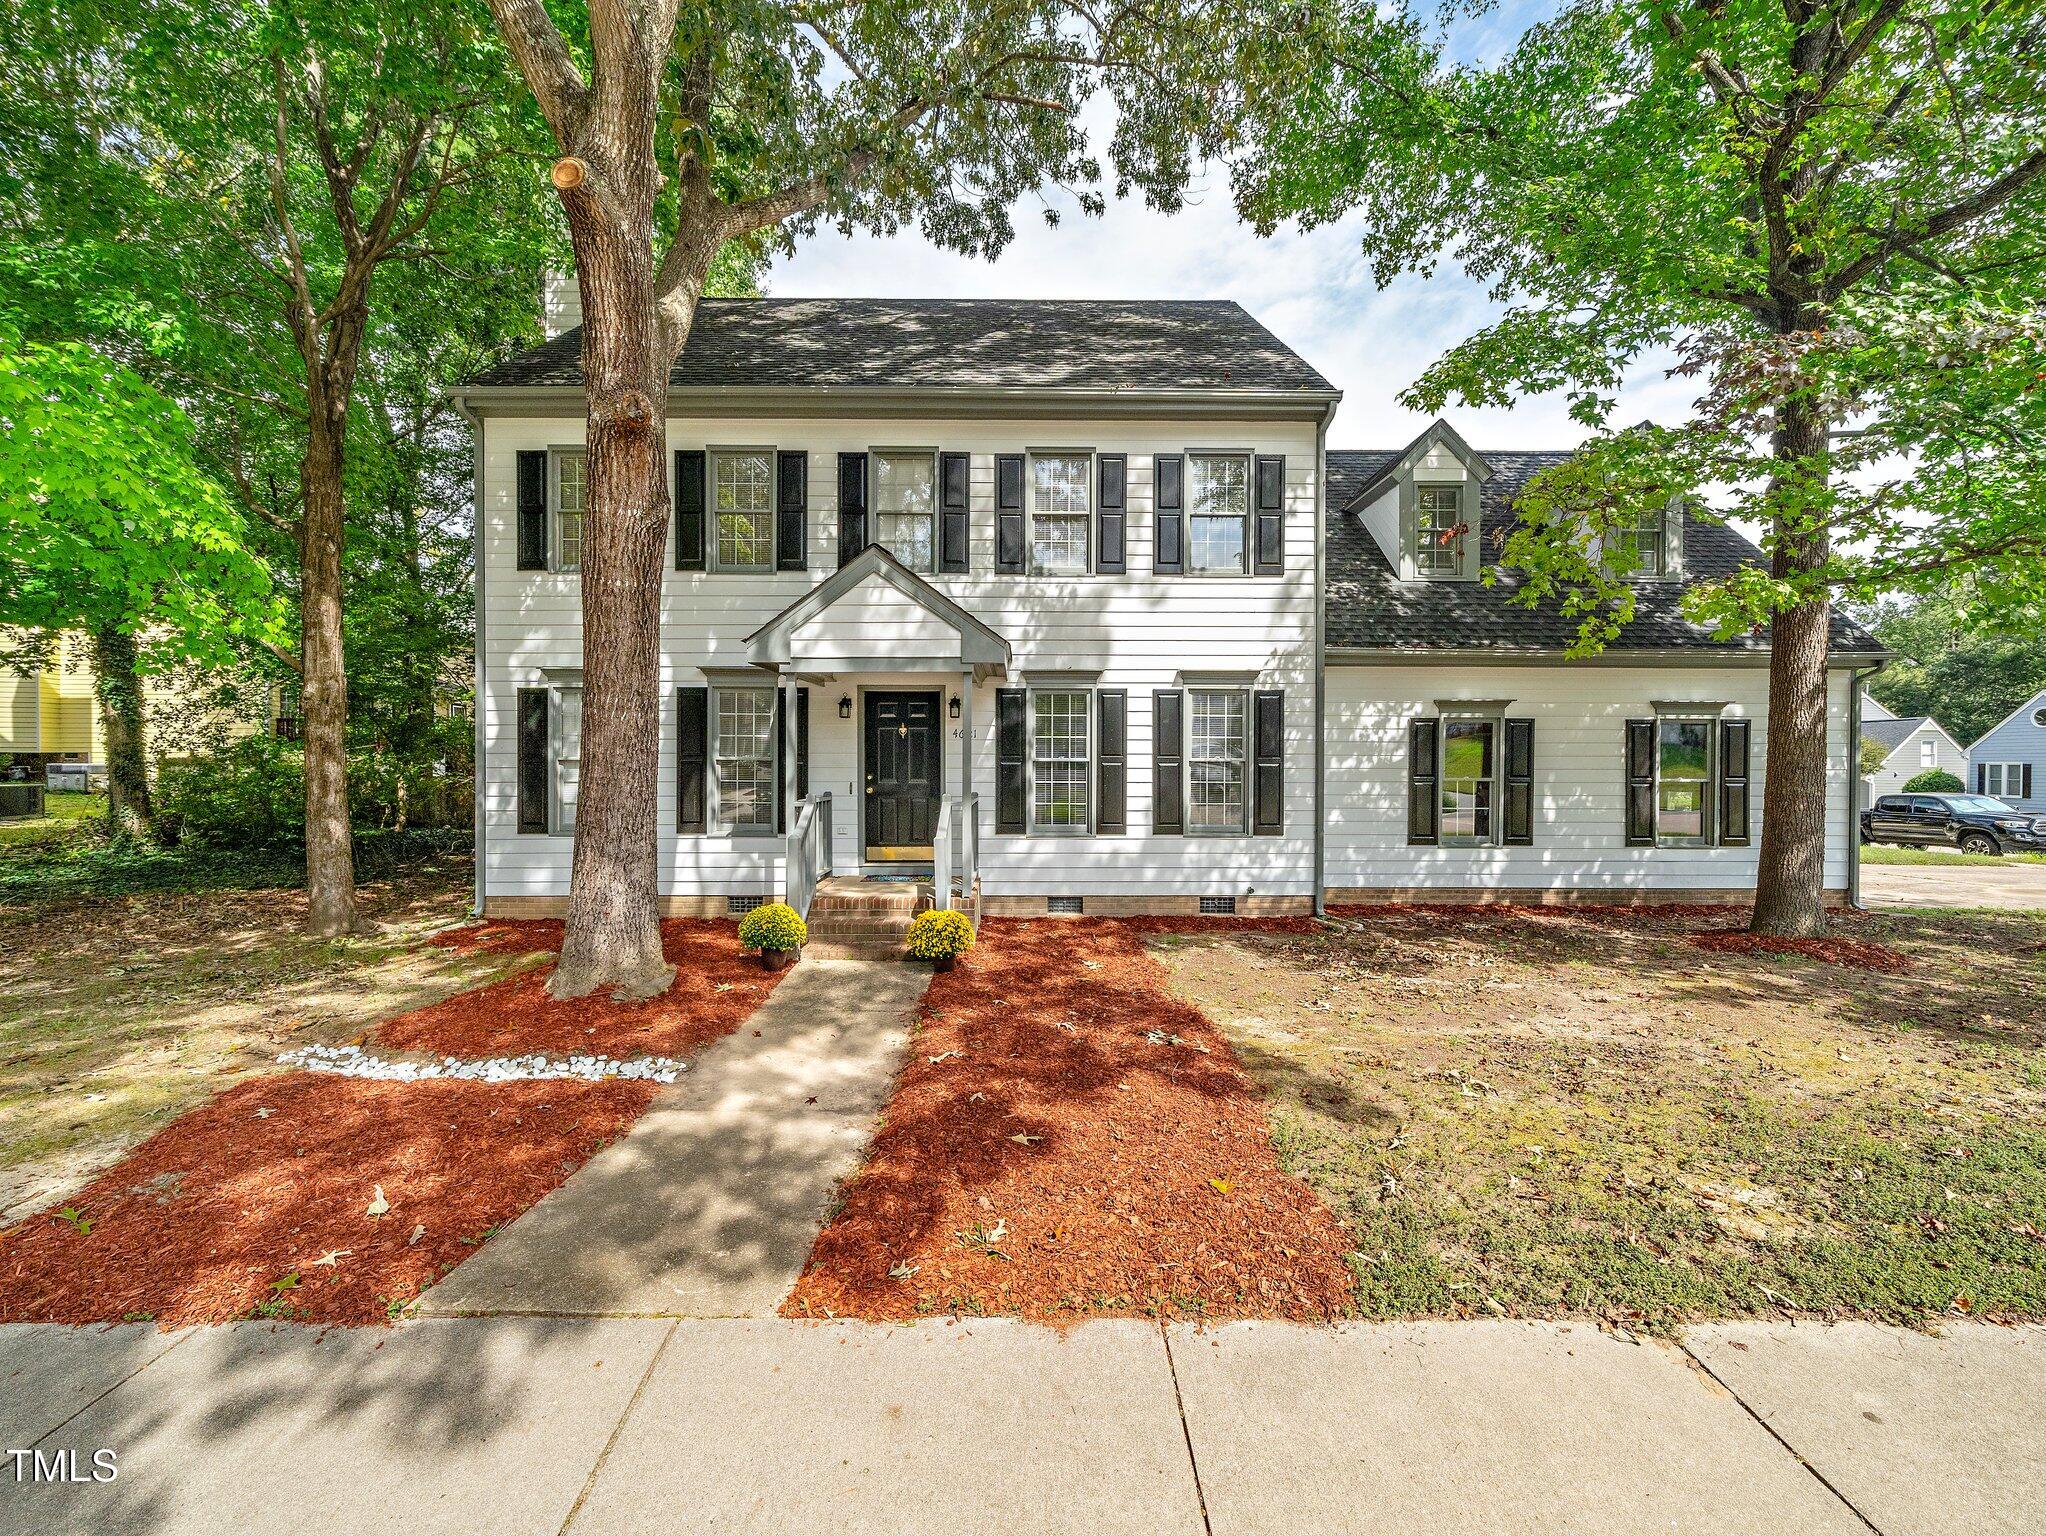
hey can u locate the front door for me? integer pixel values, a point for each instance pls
(904, 775)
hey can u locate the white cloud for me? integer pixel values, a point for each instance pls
(1313, 290)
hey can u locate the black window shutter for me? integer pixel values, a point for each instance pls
(781, 761)
(1111, 514)
(533, 759)
(1733, 782)
(1168, 544)
(532, 509)
(1009, 513)
(1012, 734)
(1270, 515)
(2025, 793)
(1268, 817)
(802, 743)
(1168, 760)
(1640, 783)
(1981, 778)
(1424, 805)
(852, 505)
(792, 511)
(1519, 783)
(690, 465)
(955, 513)
(1111, 765)
(692, 746)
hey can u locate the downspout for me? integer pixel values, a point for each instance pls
(1320, 655)
(476, 710)
(1854, 678)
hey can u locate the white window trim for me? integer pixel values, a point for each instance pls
(1087, 514)
(1092, 719)
(558, 824)
(2010, 775)
(1249, 461)
(555, 456)
(716, 823)
(1713, 767)
(1928, 752)
(1498, 723)
(1660, 568)
(1186, 796)
(710, 496)
(875, 514)
(1462, 489)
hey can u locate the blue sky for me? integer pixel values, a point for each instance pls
(1314, 290)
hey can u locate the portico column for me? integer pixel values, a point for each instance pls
(965, 736)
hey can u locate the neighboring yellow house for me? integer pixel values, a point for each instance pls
(53, 714)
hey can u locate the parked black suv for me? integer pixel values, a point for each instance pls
(1971, 823)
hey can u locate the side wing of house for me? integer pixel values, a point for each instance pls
(1917, 746)
(2009, 761)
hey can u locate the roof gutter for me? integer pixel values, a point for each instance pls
(1328, 415)
(1528, 656)
(899, 399)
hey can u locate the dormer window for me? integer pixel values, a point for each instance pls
(1440, 530)
(1646, 539)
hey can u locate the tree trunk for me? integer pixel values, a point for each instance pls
(329, 859)
(121, 709)
(613, 935)
(1790, 884)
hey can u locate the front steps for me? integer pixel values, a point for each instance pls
(856, 919)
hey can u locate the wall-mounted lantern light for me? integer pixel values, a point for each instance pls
(845, 707)
(954, 709)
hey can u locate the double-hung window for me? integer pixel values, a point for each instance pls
(1684, 772)
(1059, 759)
(2004, 781)
(1218, 513)
(905, 507)
(1439, 530)
(1469, 783)
(1218, 734)
(742, 749)
(1061, 511)
(1645, 539)
(1928, 752)
(566, 752)
(742, 501)
(571, 487)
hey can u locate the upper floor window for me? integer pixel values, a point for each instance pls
(1217, 746)
(1928, 752)
(742, 496)
(1218, 512)
(571, 487)
(1061, 510)
(1439, 530)
(905, 507)
(1645, 539)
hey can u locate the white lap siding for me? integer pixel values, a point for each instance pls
(1138, 632)
(1580, 713)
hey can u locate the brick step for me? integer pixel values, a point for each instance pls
(906, 905)
(829, 950)
(861, 933)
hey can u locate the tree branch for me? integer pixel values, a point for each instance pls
(543, 58)
(1954, 216)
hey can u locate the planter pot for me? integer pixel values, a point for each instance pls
(944, 962)
(779, 959)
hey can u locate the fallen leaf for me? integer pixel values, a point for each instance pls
(1025, 1138)
(378, 1205)
(1220, 1186)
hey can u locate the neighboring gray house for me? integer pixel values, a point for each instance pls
(1918, 744)
(2009, 761)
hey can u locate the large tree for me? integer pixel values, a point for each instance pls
(1829, 209)
(684, 128)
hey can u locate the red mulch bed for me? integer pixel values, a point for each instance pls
(198, 1222)
(1720, 928)
(717, 987)
(1148, 1185)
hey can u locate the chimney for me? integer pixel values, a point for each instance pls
(561, 303)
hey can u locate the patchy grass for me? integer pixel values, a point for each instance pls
(1536, 1114)
(81, 857)
(68, 815)
(117, 1015)
(1890, 853)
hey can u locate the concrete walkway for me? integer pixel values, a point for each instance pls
(537, 1427)
(2013, 885)
(707, 1207)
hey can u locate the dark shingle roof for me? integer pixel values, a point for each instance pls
(955, 343)
(1370, 607)
(1893, 733)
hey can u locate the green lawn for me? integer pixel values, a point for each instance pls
(1887, 853)
(1546, 1116)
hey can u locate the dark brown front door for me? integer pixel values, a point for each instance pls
(904, 775)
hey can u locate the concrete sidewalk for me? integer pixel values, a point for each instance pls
(2011, 886)
(708, 1206)
(600, 1426)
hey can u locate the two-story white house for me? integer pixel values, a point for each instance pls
(1067, 606)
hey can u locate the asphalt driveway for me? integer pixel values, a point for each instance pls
(2013, 885)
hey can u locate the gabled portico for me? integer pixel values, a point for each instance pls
(891, 647)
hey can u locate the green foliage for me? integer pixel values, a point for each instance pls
(773, 926)
(1873, 755)
(96, 864)
(1934, 781)
(1965, 662)
(251, 794)
(936, 935)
